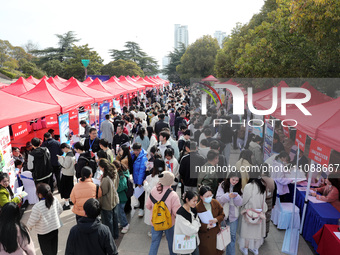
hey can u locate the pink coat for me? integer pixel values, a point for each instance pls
(172, 202)
(24, 248)
(329, 194)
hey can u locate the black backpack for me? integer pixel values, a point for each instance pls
(91, 163)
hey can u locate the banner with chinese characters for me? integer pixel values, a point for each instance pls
(51, 120)
(19, 130)
(64, 128)
(6, 158)
(300, 139)
(319, 153)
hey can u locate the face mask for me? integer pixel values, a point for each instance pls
(207, 200)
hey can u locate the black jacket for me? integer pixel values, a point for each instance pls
(42, 167)
(187, 170)
(90, 237)
(159, 126)
(95, 146)
(82, 162)
(119, 139)
(54, 147)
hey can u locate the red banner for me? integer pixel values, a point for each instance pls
(111, 103)
(19, 130)
(87, 108)
(73, 114)
(319, 152)
(51, 120)
(300, 139)
(286, 131)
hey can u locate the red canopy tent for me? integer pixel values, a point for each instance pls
(210, 78)
(88, 81)
(16, 109)
(147, 79)
(3, 85)
(143, 82)
(60, 79)
(78, 89)
(100, 86)
(112, 82)
(126, 82)
(162, 80)
(46, 93)
(268, 92)
(33, 80)
(44, 78)
(19, 87)
(55, 83)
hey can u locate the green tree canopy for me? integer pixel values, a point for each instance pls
(122, 67)
(199, 58)
(133, 52)
(175, 60)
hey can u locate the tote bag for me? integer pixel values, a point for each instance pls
(223, 238)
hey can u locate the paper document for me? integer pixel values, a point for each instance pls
(315, 201)
(138, 191)
(182, 244)
(19, 190)
(206, 216)
(96, 181)
(302, 188)
(337, 234)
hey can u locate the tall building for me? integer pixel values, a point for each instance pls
(181, 35)
(165, 62)
(219, 35)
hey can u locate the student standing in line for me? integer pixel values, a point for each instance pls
(45, 219)
(163, 192)
(14, 236)
(229, 195)
(187, 222)
(67, 168)
(208, 232)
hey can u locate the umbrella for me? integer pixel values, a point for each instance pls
(291, 241)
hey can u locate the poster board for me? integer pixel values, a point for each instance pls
(64, 128)
(268, 140)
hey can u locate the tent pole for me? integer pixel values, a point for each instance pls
(306, 201)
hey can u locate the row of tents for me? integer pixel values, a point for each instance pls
(323, 125)
(31, 98)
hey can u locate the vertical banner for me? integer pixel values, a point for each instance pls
(268, 140)
(104, 109)
(83, 116)
(286, 131)
(257, 125)
(300, 139)
(64, 128)
(6, 159)
(19, 130)
(319, 153)
(116, 104)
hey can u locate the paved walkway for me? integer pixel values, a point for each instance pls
(136, 241)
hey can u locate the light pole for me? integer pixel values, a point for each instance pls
(85, 62)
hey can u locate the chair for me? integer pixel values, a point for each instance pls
(282, 213)
(29, 187)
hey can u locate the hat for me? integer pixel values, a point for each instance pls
(166, 178)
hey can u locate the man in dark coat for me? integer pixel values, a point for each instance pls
(54, 147)
(160, 124)
(119, 139)
(90, 236)
(92, 143)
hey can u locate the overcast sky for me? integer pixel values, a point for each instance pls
(108, 24)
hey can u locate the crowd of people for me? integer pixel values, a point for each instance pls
(155, 146)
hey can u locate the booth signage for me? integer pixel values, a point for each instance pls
(300, 139)
(19, 130)
(319, 152)
(286, 131)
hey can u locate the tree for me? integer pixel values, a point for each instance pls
(175, 60)
(122, 67)
(199, 58)
(30, 68)
(54, 67)
(73, 66)
(134, 53)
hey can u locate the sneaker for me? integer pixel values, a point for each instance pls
(149, 234)
(125, 229)
(244, 251)
(66, 207)
(140, 213)
(255, 251)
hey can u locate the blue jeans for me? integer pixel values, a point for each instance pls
(122, 216)
(110, 219)
(233, 228)
(157, 237)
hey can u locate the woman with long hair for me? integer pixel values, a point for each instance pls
(280, 175)
(244, 165)
(82, 191)
(45, 219)
(109, 200)
(142, 138)
(254, 200)
(152, 138)
(229, 194)
(124, 176)
(14, 236)
(149, 183)
(6, 193)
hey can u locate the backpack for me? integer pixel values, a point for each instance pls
(161, 217)
(129, 191)
(91, 163)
